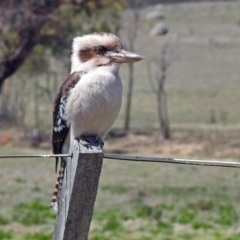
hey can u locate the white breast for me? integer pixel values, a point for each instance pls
(94, 103)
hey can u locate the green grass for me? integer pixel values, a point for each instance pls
(135, 201)
(38, 236)
(4, 220)
(4, 235)
(117, 189)
(32, 213)
(160, 221)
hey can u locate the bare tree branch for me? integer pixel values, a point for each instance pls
(162, 65)
(18, 56)
(150, 78)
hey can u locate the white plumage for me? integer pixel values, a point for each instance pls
(94, 102)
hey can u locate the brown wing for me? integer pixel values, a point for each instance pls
(60, 126)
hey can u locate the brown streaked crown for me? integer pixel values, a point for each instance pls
(96, 45)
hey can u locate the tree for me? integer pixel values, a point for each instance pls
(35, 46)
(158, 86)
(27, 23)
(131, 30)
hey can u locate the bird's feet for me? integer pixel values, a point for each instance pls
(99, 141)
(88, 141)
(84, 141)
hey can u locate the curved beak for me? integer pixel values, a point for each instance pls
(123, 56)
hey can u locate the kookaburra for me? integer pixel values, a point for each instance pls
(89, 100)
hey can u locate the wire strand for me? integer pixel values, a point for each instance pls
(174, 161)
(141, 159)
(36, 156)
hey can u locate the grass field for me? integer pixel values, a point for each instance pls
(135, 200)
(155, 201)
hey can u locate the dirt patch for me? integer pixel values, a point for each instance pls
(184, 143)
(152, 145)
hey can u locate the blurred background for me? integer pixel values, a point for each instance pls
(181, 101)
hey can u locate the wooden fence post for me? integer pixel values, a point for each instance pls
(79, 191)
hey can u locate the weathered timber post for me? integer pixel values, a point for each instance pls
(79, 190)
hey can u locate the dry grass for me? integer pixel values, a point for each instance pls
(204, 77)
(195, 141)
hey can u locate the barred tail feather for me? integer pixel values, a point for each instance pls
(58, 185)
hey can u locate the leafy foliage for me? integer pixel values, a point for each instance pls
(52, 24)
(58, 28)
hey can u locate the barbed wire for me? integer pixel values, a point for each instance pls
(141, 159)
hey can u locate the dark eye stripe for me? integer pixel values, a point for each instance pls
(86, 55)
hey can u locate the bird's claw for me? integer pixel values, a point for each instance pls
(97, 142)
(85, 143)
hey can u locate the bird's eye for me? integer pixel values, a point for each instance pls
(101, 49)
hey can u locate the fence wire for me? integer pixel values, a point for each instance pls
(142, 159)
(36, 156)
(174, 161)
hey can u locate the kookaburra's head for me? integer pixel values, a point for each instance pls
(99, 49)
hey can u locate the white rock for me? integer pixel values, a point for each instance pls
(159, 29)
